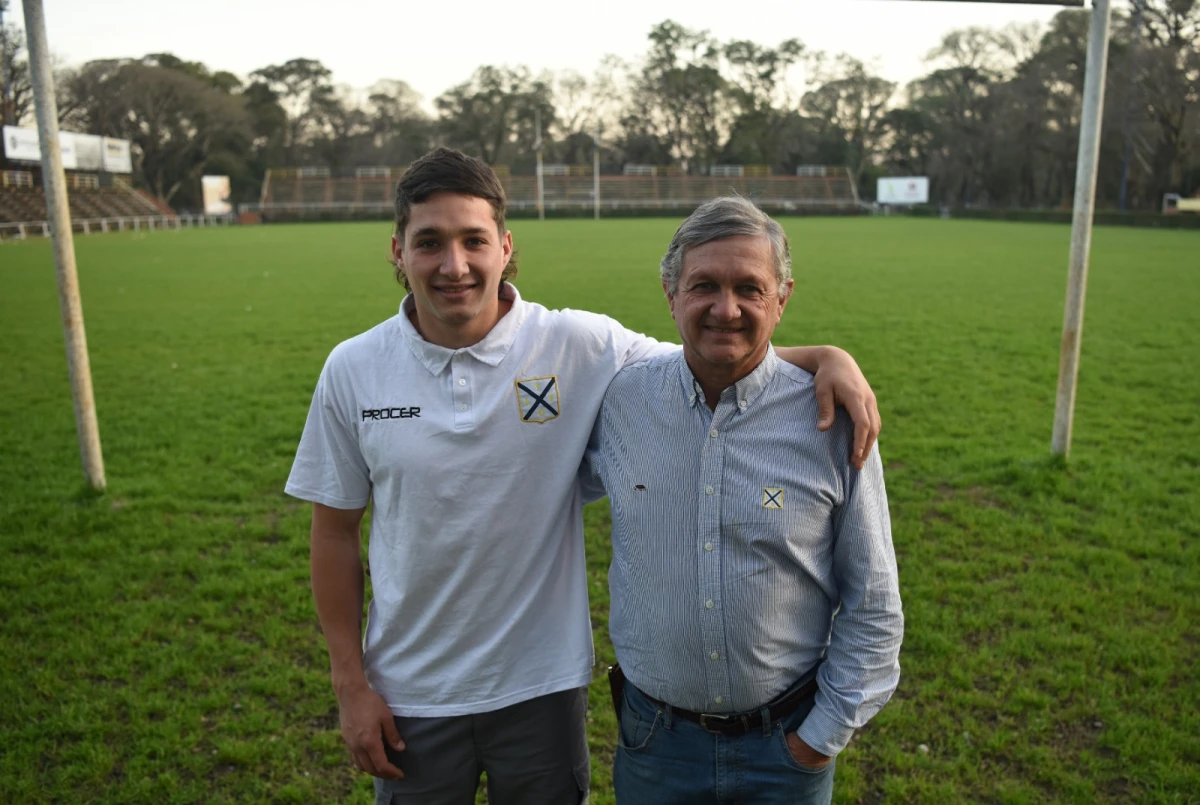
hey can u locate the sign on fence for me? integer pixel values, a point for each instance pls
(903, 190)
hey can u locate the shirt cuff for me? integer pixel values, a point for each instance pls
(824, 734)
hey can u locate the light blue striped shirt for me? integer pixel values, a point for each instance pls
(737, 535)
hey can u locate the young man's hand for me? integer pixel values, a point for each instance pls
(366, 723)
(839, 381)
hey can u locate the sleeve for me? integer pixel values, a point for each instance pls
(329, 467)
(591, 480)
(861, 668)
(637, 347)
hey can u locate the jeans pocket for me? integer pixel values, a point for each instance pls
(636, 728)
(790, 760)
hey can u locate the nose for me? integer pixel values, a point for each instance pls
(454, 264)
(725, 306)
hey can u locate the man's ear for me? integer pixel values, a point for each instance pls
(398, 251)
(788, 287)
(670, 298)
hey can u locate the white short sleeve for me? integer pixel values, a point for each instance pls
(329, 466)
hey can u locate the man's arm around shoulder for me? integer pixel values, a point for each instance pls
(337, 583)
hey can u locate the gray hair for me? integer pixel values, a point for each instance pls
(726, 217)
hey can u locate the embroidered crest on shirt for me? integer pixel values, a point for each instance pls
(537, 399)
(772, 497)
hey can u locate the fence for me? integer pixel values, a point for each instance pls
(291, 195)
(21, 230)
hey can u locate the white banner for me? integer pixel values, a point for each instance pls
(903, 190)
(117, 158)
(216, 195)
(89, 152)
(79, 151)
(22, 144)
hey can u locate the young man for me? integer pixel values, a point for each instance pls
(736, 539)
(463, 420)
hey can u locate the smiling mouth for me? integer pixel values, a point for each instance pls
(454, 290)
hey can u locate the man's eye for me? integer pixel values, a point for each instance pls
(426, 244)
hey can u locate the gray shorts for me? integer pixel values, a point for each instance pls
(534, 752)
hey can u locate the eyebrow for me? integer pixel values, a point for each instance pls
(433, 230)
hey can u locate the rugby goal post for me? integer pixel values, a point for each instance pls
(1081, 220)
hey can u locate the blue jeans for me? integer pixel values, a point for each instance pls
(663, 759)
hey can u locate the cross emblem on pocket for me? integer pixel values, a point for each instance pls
(772, 498)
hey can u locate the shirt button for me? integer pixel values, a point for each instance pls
(742, 404)
(719, 699)
(713, 433)
(708, 546)
(715, 655)
(708, 490)
(708, 604)
(462, 407)
(462, 381)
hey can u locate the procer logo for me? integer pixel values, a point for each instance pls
(390, 413)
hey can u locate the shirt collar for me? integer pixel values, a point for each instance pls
(747, 389)
(491, 349)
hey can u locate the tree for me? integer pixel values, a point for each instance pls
(175, 120)
(400, 129)
(681, 95)
(303, 88)
(16, 88)
(851, 104)
(494, 111)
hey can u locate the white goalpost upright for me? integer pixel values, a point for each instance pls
(55, 183)
(1081, 222)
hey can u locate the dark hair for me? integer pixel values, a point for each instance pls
(444, 170)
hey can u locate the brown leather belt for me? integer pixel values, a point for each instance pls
(742, 723)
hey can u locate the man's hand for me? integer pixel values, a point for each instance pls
(366, 723)
(839, 380)
(804, 754)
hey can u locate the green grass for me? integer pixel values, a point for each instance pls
(159, 641)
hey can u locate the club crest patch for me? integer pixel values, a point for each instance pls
(772, 498)
(537, 399)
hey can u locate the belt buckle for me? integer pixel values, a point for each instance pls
(723, 719)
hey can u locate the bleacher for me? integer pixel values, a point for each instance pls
(23, 202)
(306, 193)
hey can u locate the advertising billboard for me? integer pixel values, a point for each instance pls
(89, 152)
(216, 195)
(79, 151)
(903, 190)
(21, 144)
(117, 158)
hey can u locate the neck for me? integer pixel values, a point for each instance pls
(712, 382)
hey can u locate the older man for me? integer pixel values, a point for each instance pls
(755, 604)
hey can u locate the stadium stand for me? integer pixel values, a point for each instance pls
(22, 201)
(302, 194)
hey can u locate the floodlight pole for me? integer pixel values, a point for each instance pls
(55, 183)
(596, 173)
(1081, 225)
(537, 146)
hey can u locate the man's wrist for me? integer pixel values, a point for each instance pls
(348, 683)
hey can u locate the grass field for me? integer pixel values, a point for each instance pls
(158, 643)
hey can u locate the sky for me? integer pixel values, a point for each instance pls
(435, 45)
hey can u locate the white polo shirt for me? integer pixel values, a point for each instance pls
(470, 459)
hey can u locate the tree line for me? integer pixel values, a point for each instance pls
(994, 122)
